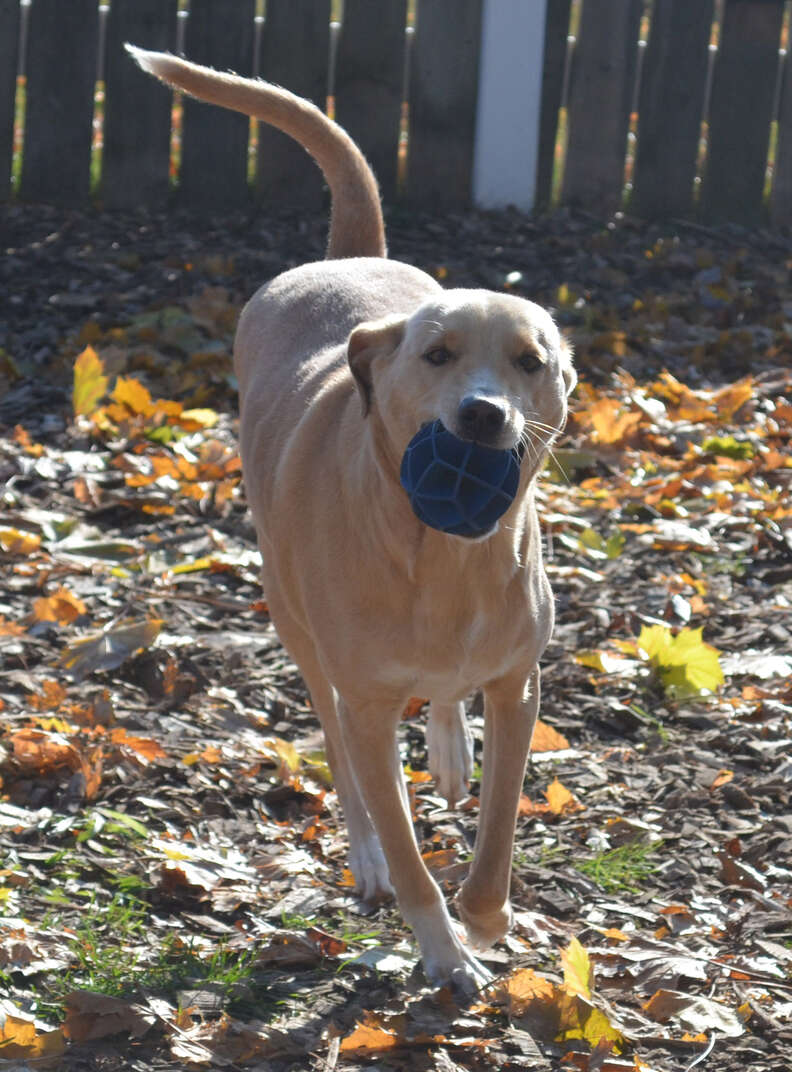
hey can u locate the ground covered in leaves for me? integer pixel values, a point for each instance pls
(173, 885)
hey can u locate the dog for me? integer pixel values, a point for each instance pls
(340, 363)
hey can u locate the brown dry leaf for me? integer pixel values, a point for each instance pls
(20, 1040)
(110, 648)
(729, 399)
(547, 739)
(93, 1016)
(696, 1013)
(62, 607)
(8, 628)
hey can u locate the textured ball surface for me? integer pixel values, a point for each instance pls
(456, 485)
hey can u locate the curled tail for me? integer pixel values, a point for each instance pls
(356, 225)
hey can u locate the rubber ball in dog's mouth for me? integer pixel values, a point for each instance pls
(457, 485)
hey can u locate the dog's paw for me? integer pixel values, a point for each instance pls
(450, 746)
(457, 969)
(484, 928)
(368, 864)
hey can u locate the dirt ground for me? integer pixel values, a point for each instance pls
(173, 883)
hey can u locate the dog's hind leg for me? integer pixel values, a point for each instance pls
(450, 745)
(369, 730)
(510, 710)
(366, 858)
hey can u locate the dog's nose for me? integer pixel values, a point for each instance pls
(481, 419)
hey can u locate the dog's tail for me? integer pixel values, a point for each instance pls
(356, 225)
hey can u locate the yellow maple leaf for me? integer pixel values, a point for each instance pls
(90, 382)
(578, 973)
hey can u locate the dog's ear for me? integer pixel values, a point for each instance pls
(567, 368)
(368, 341)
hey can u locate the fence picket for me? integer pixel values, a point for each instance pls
(781, 199)
(295, 53)
(743, 84)
(442, 97)
(555, 51)
(670, 107)
(600, 96)
(56, 166)
(9, 41)
(137, 124)
(370, 82)
(215, 142)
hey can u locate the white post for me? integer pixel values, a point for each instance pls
(509, 103)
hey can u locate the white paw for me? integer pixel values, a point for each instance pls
(367, 863)
(450, 745)
(457, 968)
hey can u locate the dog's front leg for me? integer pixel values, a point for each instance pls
(510, 709)
(369, 733)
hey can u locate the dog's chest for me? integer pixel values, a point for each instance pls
(472, 636)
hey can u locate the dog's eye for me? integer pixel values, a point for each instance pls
(438, 356)
(529, 361)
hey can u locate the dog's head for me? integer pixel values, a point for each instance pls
(492, 367)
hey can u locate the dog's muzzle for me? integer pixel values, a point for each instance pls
(457, 485)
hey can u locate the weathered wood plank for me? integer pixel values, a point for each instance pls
(442, 100)
(670, 107)
(741, 106)
(9, 42)
(555, 51)
(295, 53)
(600, 96)
(137, 124)
(56, 162)
(214, 164)
(781, 197)
(370, 82)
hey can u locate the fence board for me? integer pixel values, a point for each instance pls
(295, 53)
(555, 51)
(600, 96)
(670, 107)
(741, 106)
(781, 199)
(56, 165)
(442, 95)
(215, 141)
(9, 41)
(137, 124)
(370, 82)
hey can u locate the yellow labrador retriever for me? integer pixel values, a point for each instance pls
(340, 364)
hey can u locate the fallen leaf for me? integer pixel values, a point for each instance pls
(90, 382)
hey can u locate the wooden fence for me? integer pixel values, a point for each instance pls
(665, 107)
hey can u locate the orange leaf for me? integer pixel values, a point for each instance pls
(62, 607)
(525, 987)
(610, 426)
(131, 393)
(369, 1037)
(14, 542)
(90, 382)
(413, 707)
(560, 799)
(723, 776)
(546, 739)
(143, 747)
(52, 696)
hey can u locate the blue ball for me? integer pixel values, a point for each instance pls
(456, 485)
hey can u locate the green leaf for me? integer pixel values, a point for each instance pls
(728, 447)
(686, 664)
